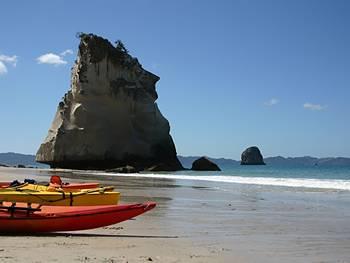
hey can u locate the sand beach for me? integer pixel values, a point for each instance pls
(197, 221)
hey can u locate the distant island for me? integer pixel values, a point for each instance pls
(15, 159)
(277, 160)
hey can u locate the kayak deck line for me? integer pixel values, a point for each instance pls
(41, 188)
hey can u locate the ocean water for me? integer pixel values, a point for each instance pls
(320, 177)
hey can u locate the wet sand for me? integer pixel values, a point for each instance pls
(198, 221)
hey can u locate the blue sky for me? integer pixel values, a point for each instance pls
(233, 73)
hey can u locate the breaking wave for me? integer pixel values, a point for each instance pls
(288, 182)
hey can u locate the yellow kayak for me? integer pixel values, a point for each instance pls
(39, 187)
(89, 197)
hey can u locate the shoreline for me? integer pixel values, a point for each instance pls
(198, 221)
(297, 183)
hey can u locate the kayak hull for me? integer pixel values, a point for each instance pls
(59, 218)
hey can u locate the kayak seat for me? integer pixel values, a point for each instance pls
(55, 179)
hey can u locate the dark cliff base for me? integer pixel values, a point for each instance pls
(253, 163)
(141, 165)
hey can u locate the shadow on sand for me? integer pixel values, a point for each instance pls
(79, 235)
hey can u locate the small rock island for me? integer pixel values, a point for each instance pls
(252, 156)
(109, 117)
(204, 164)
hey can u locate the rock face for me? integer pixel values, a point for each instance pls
(109, 117)
(252, 156)
(204, 164)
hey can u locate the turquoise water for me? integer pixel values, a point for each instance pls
(302, 172)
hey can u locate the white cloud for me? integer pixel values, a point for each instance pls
(271, 102)
(10, 60)
(52, 59)
(66, 52)
(7, 60)
(3, 69)
(310, 106)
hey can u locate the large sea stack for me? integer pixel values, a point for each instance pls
(109, 117)
(252, 156)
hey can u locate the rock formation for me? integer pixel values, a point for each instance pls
(252, 156)
(109, 117)
(204, 164)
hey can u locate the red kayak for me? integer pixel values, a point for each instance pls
(55, 181)
(75, 186)
(23, 219)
